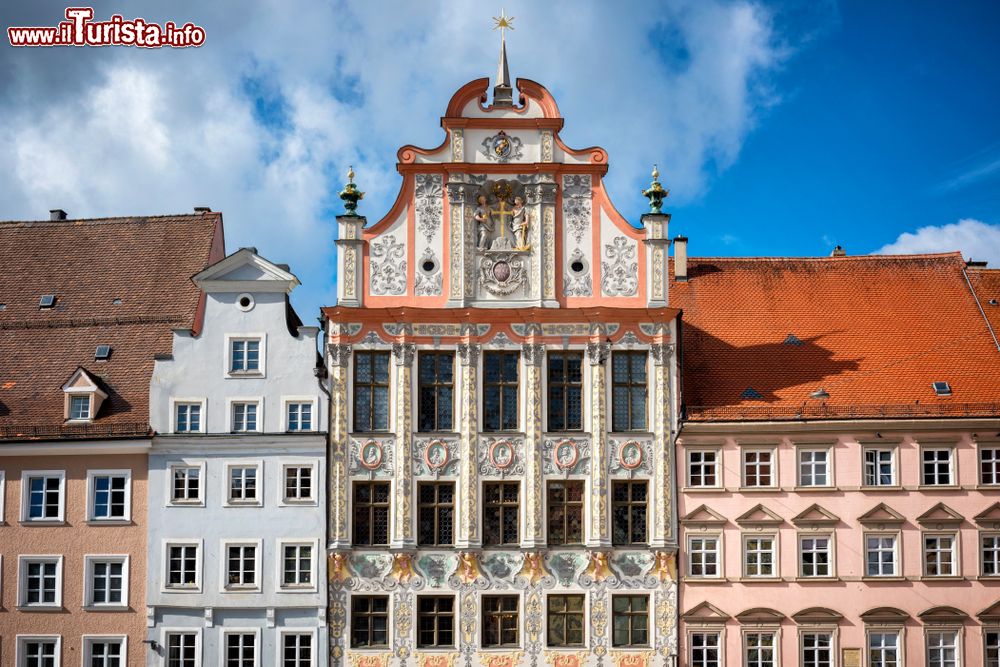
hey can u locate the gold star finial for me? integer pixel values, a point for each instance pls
(503, 22)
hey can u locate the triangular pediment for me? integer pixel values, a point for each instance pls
(885, 615)
(703, 516)
(760, 615)
(82, 381)
(947, 615)
(759, 516)
(817, 615)
(991, 515)
(991, 614)
(815, 515)
(246, 271)
(882, 514)
(940, 515)
(705, 612)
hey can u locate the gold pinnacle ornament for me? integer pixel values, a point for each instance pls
(655, 193)
(350, 195)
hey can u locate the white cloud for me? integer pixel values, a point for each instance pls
(117, 131)
(975, 239)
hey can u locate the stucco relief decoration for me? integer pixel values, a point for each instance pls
(570, 456)
(468, 568)
(533, 570)
(369, 567)
(457, 145)
(397, 328)
(501, 456)
(388, 267)
(373, 457)
(428, 198)
(665, 610)
(564, 659)
(432, 329)
(640, 659)
(369, 659)
(666, 566)
(566, 566)
(437, 659)
(598, 569)
(502, 566)
(546, 146)
(630, 456)
(435, 457)
(633, 569)
(501, 659)
(337, 569)
(436, 568)
(501, 340)
(402, 568)
(429, 278)
(372, 339)
(620, 274)
(503, 224)
(502, 147)
(577, 205)
(577, 281)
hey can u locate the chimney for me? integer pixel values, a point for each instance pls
(202, 209)
(681, 259)
(838, 251)
(57, 214)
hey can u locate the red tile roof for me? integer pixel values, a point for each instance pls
(761, 334)
(986, 283)
(145, 262)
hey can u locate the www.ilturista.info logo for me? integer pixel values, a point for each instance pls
(79, 29)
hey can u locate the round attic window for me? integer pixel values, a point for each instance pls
(429, 265)
(244, 302)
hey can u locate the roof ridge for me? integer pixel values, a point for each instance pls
(114, 219)
(783, 258)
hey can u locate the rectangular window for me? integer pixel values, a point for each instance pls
(500, 388)
(435, 514)
(186, 484)
(630, 621)
(296, 649)
(705, 649)
(241, 566)
(298, 484)
(182, 649)
(817, 649)
(942, 649)
(703, 556)
(992, 649)
(500, 621)
(565, 387)
(371, 514)
(244, 416)
(501, 513)
(369, 621)
(297, 566)
(759, 556)
(244, 355)
(44, 496)
(989, 466)
(936, 467)
(565, 512)
(107, 580)
(371, 391)
(815, 556)
(182, 566)
(104, 652)
(436, 391)
(109, 496)
(628, 391)
(990, 554)
(39, 652)
(880, 467)
(187, 417)
(565, 620)
(814, 467)
(703, 469)
(757, 468)
(79, 407)
(628, 512)
(241, 649)
(939, 555)
(880, 555)
(435, 621)
(243, 484)
(759, 648)
(41, 584)
(300, 416)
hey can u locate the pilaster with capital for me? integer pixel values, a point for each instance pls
(468, 534)
(338, 361)
(600, 533)
(533, 355)
(350, 249)
(663, 451)
(402, 532)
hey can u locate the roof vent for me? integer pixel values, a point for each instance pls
(942, 388)
(116, 301)
(992, 302)
(820, 393)
(838, 251)
(751, 394)
(202, 209)
(250, 248)
(3, 306)
(57, 214)
(103, 353)
(792, 339)
(47, 301)
(973, 264)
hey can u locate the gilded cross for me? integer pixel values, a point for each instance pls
(502, 213)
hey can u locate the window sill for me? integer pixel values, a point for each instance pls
(887, 488)
(813, 489)
(296, 502)
(817, 580)
(38, 523)
(48, 608)
(297, 589)
(702, 489)
(188, 590)
(887, 578)
(244, 374)
(760, 580)
(705, 580)
(641, 433)
(988, 577)
(186, 503)
(441, 647)
(110, 607)
(939, 487)
(108, 522)
(241, 590)
(759, 489)
(248, 503)
(946, 577)
(373, 649)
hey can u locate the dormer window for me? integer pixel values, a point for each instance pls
(79, 407)
(84, 397)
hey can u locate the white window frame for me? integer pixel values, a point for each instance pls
(23, 560)
(720, 636)
(831, 557)
(26, 475)
(893, 451)
(280, 644)
(943, 630)
(897, 551)
(773, 453)
(183, 463)
(199, 565)
(284, 501)
(3, 495)
(21, 640)
(983, 534)
(987, 631)
(224, 585)
(883, 630)
(227, 500)
(980, 449)
(286, 401)
(762, 630)
(952, 466)
(92, 496)
(775, 555)
(87, 642)
(828, 453)
(224, 644)
(718, 554)
(715, 451)
(282, 587)
(88, 580)
(956, 554)
(201, 402)
(227, 357)
(831, 632)
(230, 417)
(85, 396)
(165, 636)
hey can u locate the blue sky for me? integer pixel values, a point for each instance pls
(781, 128)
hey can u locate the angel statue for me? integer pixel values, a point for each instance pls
(484, 218)
(520, 223)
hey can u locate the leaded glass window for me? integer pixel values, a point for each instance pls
(501, 510)
(500, 387)
(628, 512)
(628, 391)
(565, 512)
(436, 513)
(371, 514)
(630, 620)
(565, 387)
(436, 387)
(371, 391)
(565, 620)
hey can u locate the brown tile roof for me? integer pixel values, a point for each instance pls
(145, 262)
(986, 283)
(761, 334)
